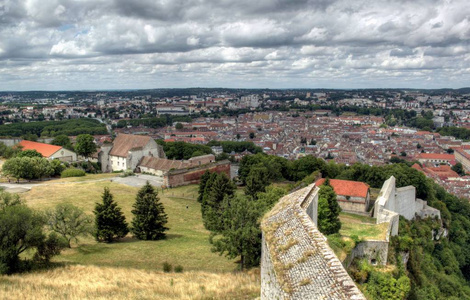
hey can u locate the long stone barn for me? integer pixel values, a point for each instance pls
(173, 173)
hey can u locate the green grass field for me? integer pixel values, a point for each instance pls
(187, 243)
(362, 226)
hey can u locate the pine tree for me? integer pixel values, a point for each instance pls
(110, 222)
(328, 210)
(202, 185)
(217, 188)
(149, 215)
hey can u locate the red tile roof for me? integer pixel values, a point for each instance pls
(436, 156)
(347, 187)
(46, 150)
(123, 143)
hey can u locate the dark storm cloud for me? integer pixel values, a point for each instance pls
(393, 41)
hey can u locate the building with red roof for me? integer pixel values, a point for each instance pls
(352, 196)
(463, 157)
(49, 151)
(436, 158)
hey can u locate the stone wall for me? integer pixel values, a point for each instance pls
(296, 261)
(393, 202)
(270, 288)
(353, 204)
(405, 198)
(10, 142)
(375, 251)
(180, 177)
(103, 157)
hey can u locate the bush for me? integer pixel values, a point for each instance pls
(72, 173)
(179, 269)
(127, 173)
(167, 267)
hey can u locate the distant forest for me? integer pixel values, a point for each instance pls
(53, 128)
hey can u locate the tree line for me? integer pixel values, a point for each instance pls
(53, 128)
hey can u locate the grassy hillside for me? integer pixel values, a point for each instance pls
(91, 282)
(187, 243)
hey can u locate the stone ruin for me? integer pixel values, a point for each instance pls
(394, 202)
(296, 261)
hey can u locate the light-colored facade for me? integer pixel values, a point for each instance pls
(127, 151)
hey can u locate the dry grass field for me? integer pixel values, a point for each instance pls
(91, 282)
(132, 269)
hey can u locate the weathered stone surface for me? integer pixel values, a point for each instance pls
(296, 261)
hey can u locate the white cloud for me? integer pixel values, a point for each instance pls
(274, 44)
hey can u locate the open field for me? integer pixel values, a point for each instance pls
(362, 226)
(91, 282)
(187, 243)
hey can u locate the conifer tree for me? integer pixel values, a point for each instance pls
(202, 185)
(110, 222)
(328, 210)
(149, 215)
(216, 190)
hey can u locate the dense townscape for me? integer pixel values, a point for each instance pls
(365, 126)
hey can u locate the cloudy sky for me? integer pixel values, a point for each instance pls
(126, 44)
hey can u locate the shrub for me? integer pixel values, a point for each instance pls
(72, 173)
(167, 267)
(179, 269)
(127, 173)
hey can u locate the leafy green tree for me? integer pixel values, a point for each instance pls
(252, 135)
(21, 229)
(57, 167)
(257, 181)
(62, 140)
(381, 285)
(328, 210)
(240, 234)
(110, 222)
(8, 152)
(29, 153)
(149, 215)
(220, 187)
(85, 145)
(27, 168)
(270, 197)
(69, 221)
(458, 168)
(179, 126)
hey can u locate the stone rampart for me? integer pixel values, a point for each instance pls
(296, 261)
(179, 177)
(394, 202)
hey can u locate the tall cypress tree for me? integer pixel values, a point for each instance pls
(328, 210)
(109, 220)
(149, 215)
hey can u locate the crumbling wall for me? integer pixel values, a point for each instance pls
(375, 251)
